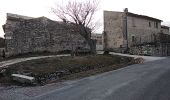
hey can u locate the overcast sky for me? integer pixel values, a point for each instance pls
(36, 8)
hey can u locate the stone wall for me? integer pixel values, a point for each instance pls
(41, 34)
(161, 49)
(160, 46)
(146, 50)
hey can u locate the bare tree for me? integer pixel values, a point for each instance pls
(81, 14)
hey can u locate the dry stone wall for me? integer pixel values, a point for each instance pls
(41, 34)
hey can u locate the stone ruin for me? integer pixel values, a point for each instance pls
(27, 35)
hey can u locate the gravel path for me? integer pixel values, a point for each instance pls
(146, 58)
(17, 60)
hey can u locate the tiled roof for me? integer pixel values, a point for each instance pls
(143, 16)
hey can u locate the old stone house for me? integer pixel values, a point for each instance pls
(26, 34)
(165, 29)
(139, 34)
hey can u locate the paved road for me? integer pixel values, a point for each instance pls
(147, 81)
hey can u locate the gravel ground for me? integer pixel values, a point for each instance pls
(146, 58)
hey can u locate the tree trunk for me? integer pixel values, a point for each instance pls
(85, 32)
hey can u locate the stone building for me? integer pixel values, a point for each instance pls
(126, 31)
(2, 42)
(2, 45)
(99, 40)
(26, 34)
(165, 29)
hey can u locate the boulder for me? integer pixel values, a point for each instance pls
(23, 78)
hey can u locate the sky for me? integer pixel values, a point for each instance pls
(37, 8)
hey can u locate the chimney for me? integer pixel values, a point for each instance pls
(126, 10)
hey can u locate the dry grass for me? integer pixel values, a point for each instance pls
(95, 64)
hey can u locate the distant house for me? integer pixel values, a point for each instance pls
(99, 40)
(165, 29)
(26, 34)
(138, 34)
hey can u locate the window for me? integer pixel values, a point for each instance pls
(115, 44)
(133, 22)
(149, 24)
(156, 24)
(133, 38)
(100, 42)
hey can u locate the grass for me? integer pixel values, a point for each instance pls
(79, 66)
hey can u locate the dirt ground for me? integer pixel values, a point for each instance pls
(69, 67)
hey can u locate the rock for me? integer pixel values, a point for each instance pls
(23, 78)
(138, 60)
(3, 72)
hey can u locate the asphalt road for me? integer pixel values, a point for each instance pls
(148, 81)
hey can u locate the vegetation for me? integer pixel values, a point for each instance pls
(67, 67)
(81, 14)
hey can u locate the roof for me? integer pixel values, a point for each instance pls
(143, 16)
(166, 27)
(136, 15)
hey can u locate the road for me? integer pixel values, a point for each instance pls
(147, 81)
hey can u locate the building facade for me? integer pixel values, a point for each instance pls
(25, 34)
(135, 33)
